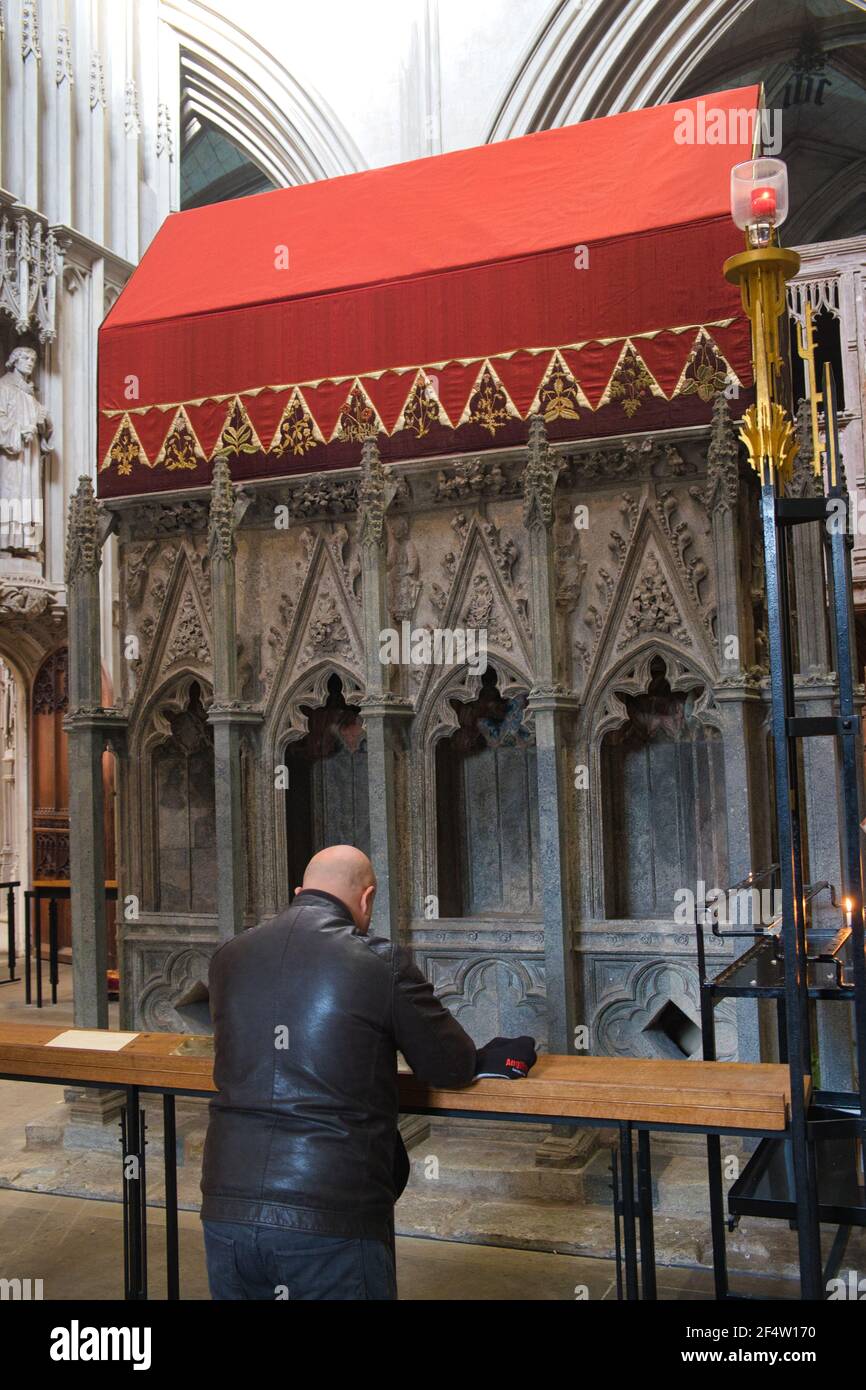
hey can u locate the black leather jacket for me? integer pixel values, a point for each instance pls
(308, 1017)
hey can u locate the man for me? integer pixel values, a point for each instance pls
(302, 1158)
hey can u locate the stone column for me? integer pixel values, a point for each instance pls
(737, 691)
(816, 693)
(551, 706)
(85, 725)
(383, 709)
(228, 714)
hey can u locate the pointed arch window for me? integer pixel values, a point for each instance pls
(326, 797)
(663, 799)
(487, 809)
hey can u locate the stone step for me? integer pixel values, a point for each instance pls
(463, 1166)
(756, 1246)
(679, 1182)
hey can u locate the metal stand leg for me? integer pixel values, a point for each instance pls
(628, 1212)
(28, 993)
(53, 971)
(790, 860)
(169, 1139)
(134, 1199)
(617, 1208)
(717, 1214)
(37, 923)
(645, 1206)
(10, 934)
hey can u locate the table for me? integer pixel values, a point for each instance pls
(632, 1094)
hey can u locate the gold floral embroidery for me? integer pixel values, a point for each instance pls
(296, 432)
(630, 382)
(421, 409)
(125, 449)
(558, 397)
(181, 448)
(488, 405)
(706, 372)
(358, 419)
(238, 435)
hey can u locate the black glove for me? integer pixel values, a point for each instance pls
(510, 1058)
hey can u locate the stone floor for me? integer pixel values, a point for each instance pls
(492, 1226)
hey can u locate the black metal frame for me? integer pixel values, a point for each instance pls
(11, 959)
(826, 1116)
(632, 1186)
(33, 900)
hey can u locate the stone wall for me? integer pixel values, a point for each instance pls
(620, 591)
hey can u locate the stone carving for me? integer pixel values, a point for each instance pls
(221, 532)
(651, 1009)
(188, 641)
(803, 481)
(404, 567)
(482, 612)
(371, 497)
(652, 608)
(324, 496)
(503, 554)
(505, 994)
(63, 57)
(723, 480)
(164, 133)
(131, 112)
(635, 460)
(277, 638)
(180, 970)
(605, 584)
(97, 82)
(30, 45)
(28, 273)
(137, 571)
(570, 569)
(25, 434)
(473, 478)
(349, 564)
(539, 479)
(168, 518)
(83, 549)
(327, 634)
(692, 568)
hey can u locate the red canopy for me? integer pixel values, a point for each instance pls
(435, 303)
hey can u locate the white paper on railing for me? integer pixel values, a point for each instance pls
(96, 1040)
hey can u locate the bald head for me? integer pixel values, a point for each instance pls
(347, 874)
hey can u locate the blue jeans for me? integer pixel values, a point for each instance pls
(261, 1262)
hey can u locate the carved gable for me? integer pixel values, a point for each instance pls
(653, 588)
(324, 623)
(175, 628)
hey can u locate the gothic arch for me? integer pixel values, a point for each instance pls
(605, 712)
(286, 724)
(150, 730)
(606, 56)
(230, 81)
(435, 720)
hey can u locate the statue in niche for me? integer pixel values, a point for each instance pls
(25, 435)
(405, 567)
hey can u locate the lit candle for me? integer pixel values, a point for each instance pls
(848, 904)
(764, 202)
